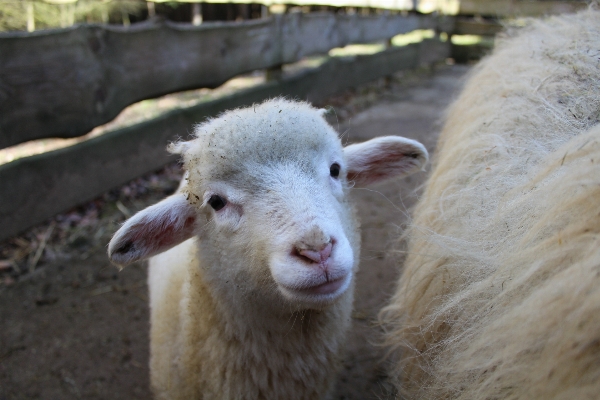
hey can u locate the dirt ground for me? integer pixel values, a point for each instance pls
(74, 327)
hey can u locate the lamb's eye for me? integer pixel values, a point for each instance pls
(334, 170)
(217, 202)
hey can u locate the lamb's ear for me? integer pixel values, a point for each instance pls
(153, 230)
(384, 157)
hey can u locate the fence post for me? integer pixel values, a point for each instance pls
(275, 73)
(388, 79)
(151, 9)
(30, 17)
(197, 13)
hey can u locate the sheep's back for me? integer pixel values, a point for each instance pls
(500, 294)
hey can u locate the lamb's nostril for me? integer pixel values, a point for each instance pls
(326, 251)
(309, 255)
(314, 255)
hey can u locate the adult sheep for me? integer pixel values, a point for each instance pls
(500, 293)
(252, 294)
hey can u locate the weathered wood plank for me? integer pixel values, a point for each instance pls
(36, 188)
(64, 83)
(499, 8)
(384, 4)
(518, 8)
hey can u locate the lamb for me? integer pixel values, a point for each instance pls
(253, 259)
(500, 292)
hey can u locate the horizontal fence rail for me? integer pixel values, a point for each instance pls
(497, 8)
(520, 8)
(383, 4)
(64, 83)
(38, 187)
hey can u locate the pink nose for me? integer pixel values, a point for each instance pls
(317, 256)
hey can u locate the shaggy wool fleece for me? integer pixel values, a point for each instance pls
(500, 293)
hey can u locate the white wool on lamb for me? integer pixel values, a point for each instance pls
(500, 293)
(251, 283)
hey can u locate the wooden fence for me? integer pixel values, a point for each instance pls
(488, 8)
(63, 83)
(494, 8)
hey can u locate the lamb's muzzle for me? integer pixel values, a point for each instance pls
(318, 269)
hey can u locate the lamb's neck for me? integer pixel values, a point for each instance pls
(245, 311)
(241, 304)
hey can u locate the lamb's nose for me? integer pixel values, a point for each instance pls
(317, 255)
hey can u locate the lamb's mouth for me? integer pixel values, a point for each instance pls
(330, 289)
(324, 288)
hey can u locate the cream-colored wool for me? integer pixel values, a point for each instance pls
(251, 295)
(500, 293)
(207, 349)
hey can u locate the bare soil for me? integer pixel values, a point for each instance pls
(74, 327)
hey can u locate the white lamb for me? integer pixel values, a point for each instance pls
(252, 294)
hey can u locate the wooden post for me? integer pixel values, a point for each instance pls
(388, 79)
(245, 11)
(197, 13)
(30, 17)
(151, 9)
(125, 18)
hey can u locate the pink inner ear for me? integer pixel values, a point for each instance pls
(384, 158)
(153, 230)
(386, 165)
(162, 235)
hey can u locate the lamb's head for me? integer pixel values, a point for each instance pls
(265, 191)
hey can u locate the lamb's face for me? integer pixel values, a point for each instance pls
(286, 221)
(278, 204)
(312, 239)
(265, 192)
